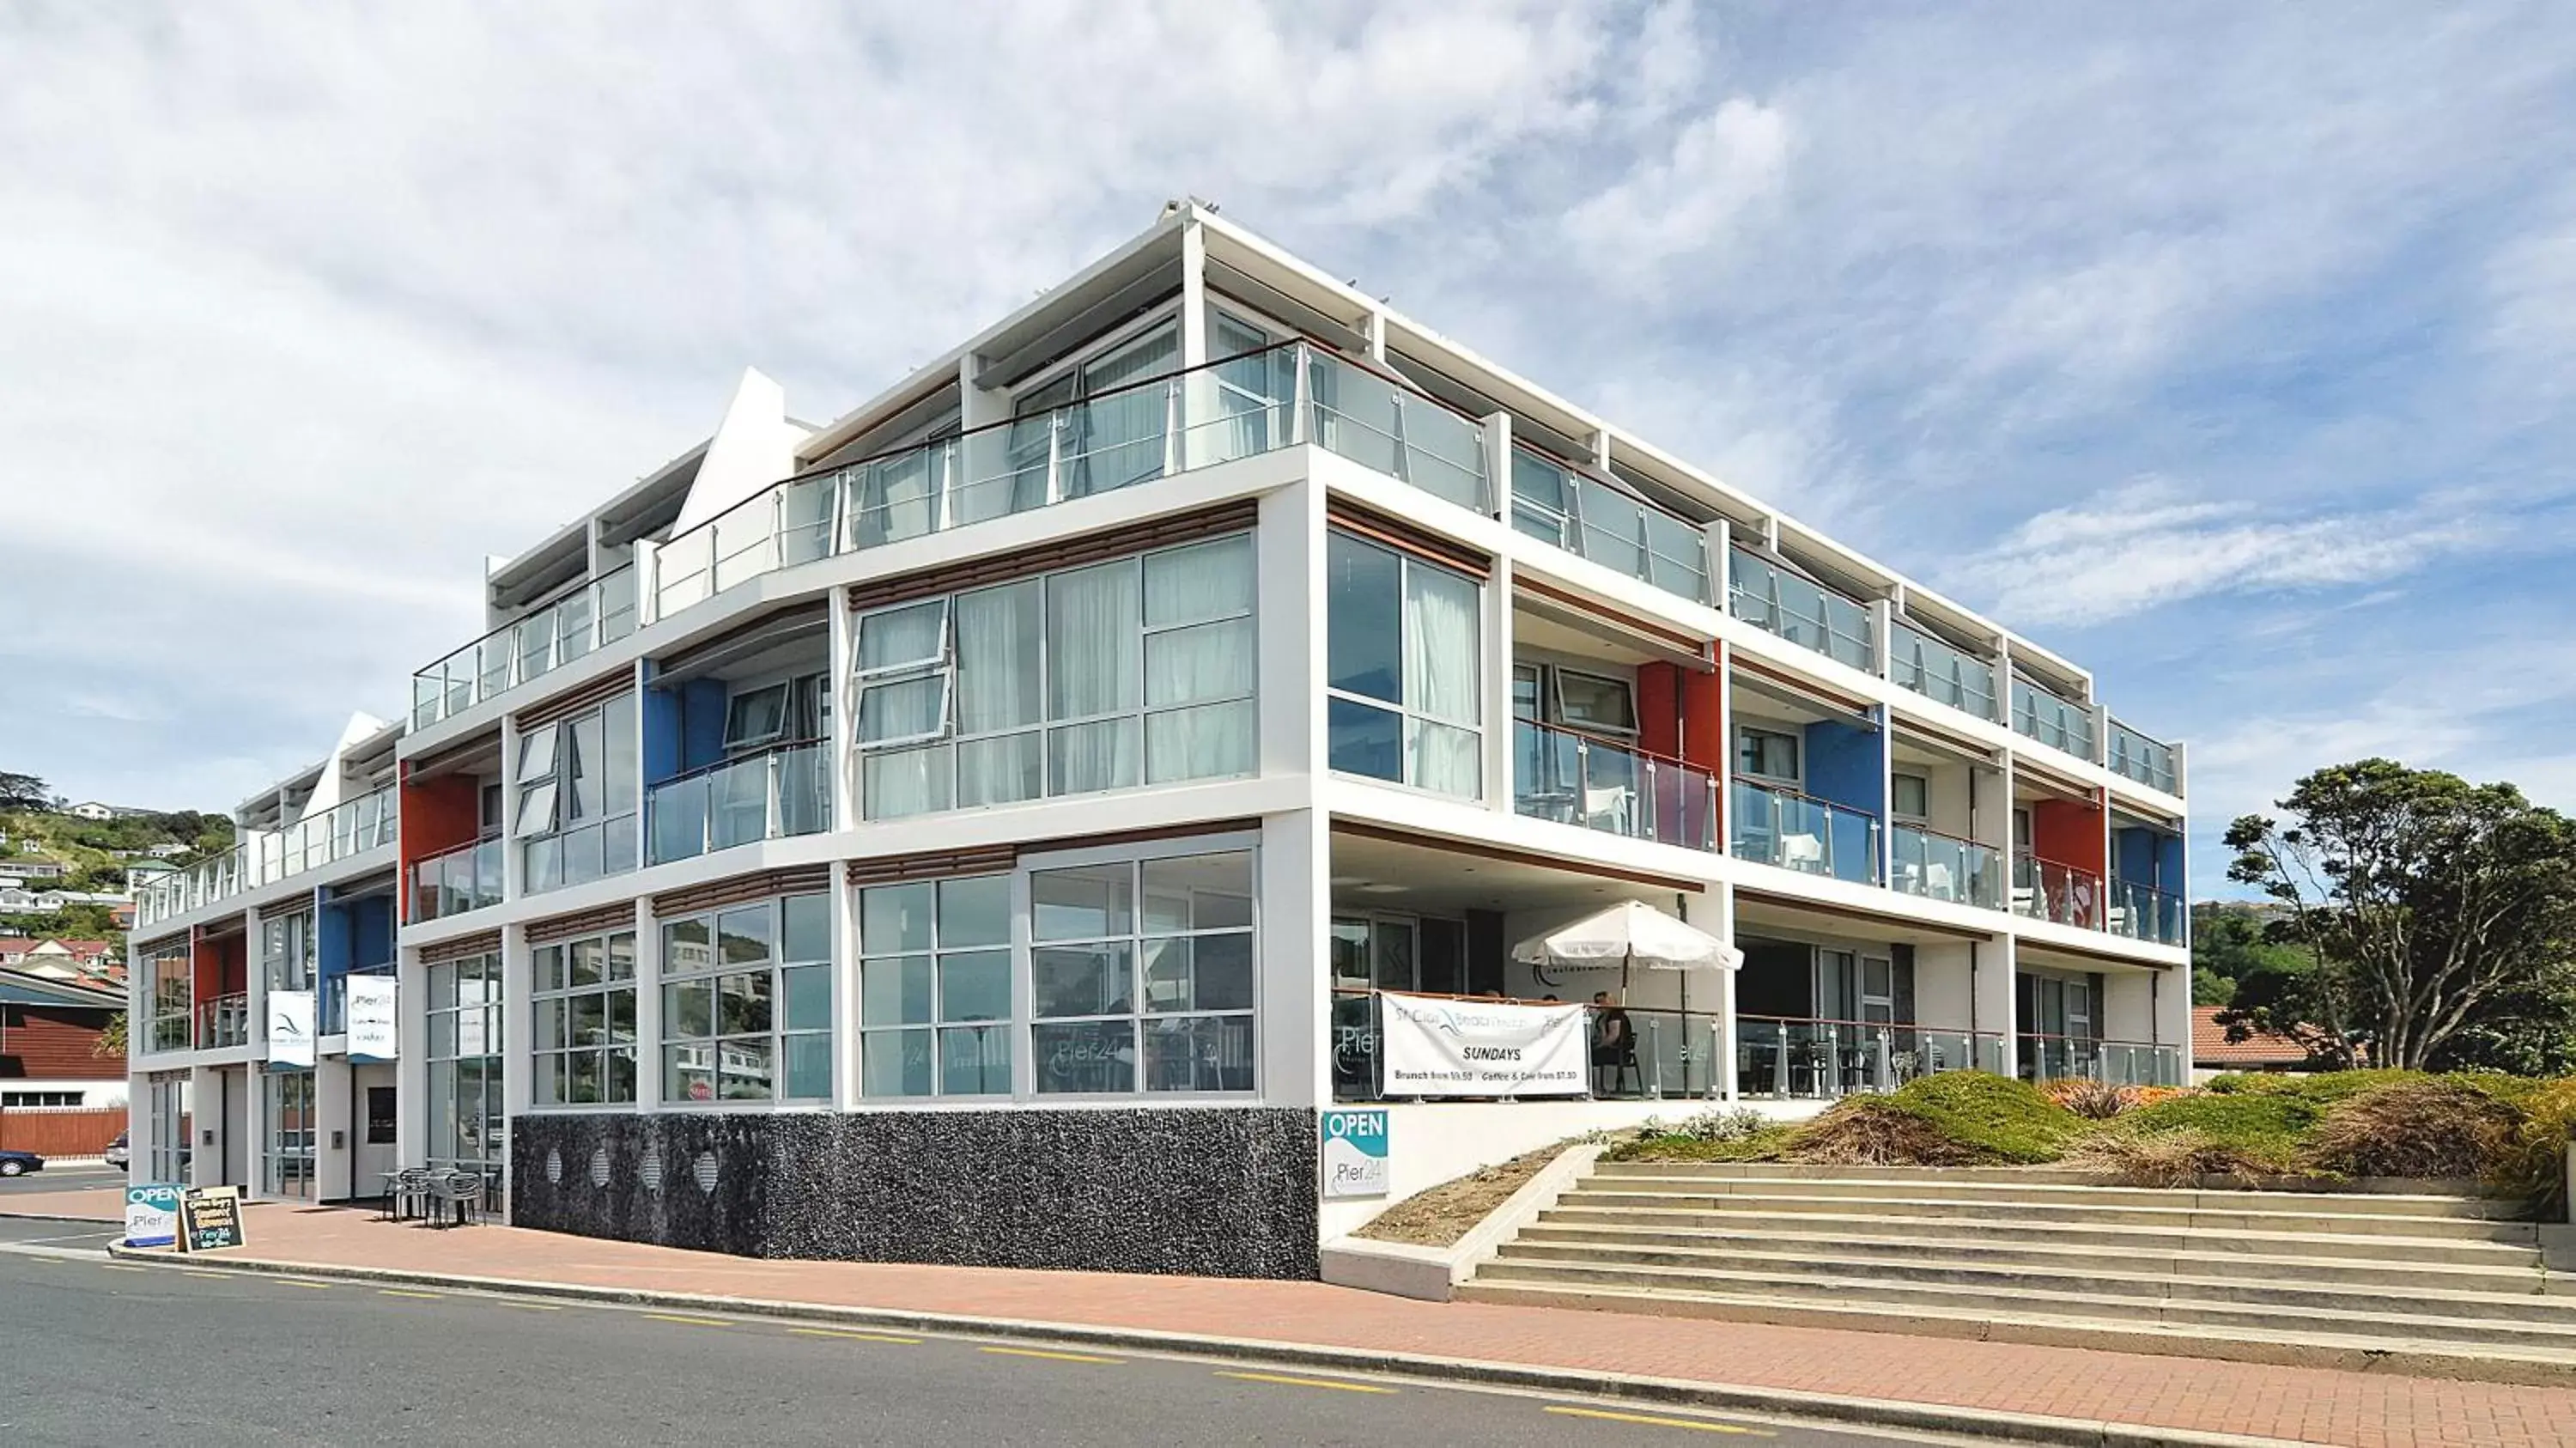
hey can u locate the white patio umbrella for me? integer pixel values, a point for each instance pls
(1632, 934)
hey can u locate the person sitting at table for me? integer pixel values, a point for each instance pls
(1614, 1042)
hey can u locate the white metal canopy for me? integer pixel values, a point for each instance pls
(1630, 933)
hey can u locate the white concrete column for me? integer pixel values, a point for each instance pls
(2173, 1014)
(335, 1130)
(648, 583)
(843, 650)
(514, 880)
(1498, 462)
(255, 983)
(518, 1092)
(1882, 625)
(1194, 340)
(1719, 539)
(1375, 324)
(206, 1126)
(1294, 1009)
(1497, 691)
(1289, 623)
(1713, 910)
(411, 1057)
(1994, 996)
(648, 1007)
(845, 990)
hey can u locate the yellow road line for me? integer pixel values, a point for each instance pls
(405, 1292)
(854, 1336)
(1697, 1425)
(688, 1321)
(1061, 1357)
(201, 1272)
(532, 1306)
(300, 1282)
(1306, 1382)
(123, 1267)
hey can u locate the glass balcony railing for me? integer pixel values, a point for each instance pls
(1590, 519)
(465, 878)
(526, 648)
(2143, 912)
(1805, 613)
(2062, 894)
(1232, 408)
(2085, 1058)
(1810, 1059)
(2135, 755)
(2060, 724)
(1939, 672)
(1943, 867)
(1781, 827)
(223, 1020)
(787, 791)
(1381, 423)
(1576, 779)
(171, 1029)
(354, 827)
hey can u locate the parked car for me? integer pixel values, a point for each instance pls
(19, 1163)
(117, 1154)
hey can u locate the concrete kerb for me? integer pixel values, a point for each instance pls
(1677, 1392)
(1432, 1274)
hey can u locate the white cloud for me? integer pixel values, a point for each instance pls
(1720, 169)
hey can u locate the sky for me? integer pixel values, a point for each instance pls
(2229, 350)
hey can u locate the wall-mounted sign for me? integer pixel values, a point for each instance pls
(290, 1029)
(371, 1017)
(152, 1214)
(1354, 1154)
(210, 1219)
(1441, 1047)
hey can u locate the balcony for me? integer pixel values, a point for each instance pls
(595, 615)
(1381, 423)
(771, 796)
(223, 1020)
(2143, 912)
(2114, 1063)
(1805, 613)
(2060, 724)
(172, 1029)
(1936, 866)
(465, 878)
(1590, 519)
(1773, 826)
(1225, 410)
(1575, 779)
(354, 827)
(201, 884)
(2062, 894)
(1938, 672)
(1786, 1059)
(2137, 757)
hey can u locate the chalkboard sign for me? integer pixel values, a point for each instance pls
(210, 1218)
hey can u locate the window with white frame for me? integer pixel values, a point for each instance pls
(39, 1098)
(935, 1015)
(747, 1002)
(577, 783)
(172, 990)
(1143, 963)
(1136, 671)
(581, 1012)
(466, 1125)
(1598, 703)
(1767, 754)
(286, 947)
(1403, 641)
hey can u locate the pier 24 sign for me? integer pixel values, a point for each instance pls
(1436, 1046)
(1354, 1154)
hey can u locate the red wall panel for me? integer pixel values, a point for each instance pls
(2068, 832)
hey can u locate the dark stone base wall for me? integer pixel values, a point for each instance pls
(1220, 1192)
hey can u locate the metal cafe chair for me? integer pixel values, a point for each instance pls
(458, 1195)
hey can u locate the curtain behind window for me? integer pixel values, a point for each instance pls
(1119, 440)
(1092, 647)
(1440, 679)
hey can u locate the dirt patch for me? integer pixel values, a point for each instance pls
(1449, 1211)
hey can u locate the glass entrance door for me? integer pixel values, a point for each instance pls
(287, 1143)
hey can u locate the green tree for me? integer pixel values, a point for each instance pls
(2230, 944)
(2429, 907)
(24, 792)
(111, 1041)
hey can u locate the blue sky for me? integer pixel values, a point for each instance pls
(2230, 350)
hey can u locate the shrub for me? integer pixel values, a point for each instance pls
(2533, 1163)
(2162, 1158)
(2090, 1099)
(1995, 1116)
(2261, 1126)
(1878, 1131)
(1742, 1123)
(2424, 1127)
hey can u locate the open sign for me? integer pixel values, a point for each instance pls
(1355, 1154)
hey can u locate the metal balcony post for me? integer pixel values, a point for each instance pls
(1055, 458)
(1301, 398)
(1172, 453)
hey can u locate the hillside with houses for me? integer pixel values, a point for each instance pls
(69, 868)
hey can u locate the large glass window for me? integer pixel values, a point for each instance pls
(287, 1150)
(747, 1003)
(1403, 641)
(582, 1014)
(1142, 975)
(577, 783)
(1139, 671)
(286, 948)
(935, 988)
(466, 1125)
(171, 993)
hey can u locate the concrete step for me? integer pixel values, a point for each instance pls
(1826, 1230)
(2029, 1176)
(2394, 1270)
(1681, 1180)
(2310, 1346)
(2221, 1216)
(2429, 1317)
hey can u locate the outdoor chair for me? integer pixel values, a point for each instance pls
(457, 1195)
(407, 1190)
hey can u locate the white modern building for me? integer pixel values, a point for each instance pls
(981, 829)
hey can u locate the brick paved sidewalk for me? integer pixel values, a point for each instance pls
(2305, 1404)
(97, 1204)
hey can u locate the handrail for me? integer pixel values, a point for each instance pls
(777, 747)
(605, 619)
(787, 808)
(1640, 794)
(1567, 523)
(1765, 841)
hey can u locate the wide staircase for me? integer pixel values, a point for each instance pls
(2450, 1285)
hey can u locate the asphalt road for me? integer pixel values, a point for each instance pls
(105, 1353)
(62, 1179)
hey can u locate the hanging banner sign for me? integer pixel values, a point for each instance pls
(290, 1029)
(152, 1214)
(371, 1017)
(1438, 1047)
